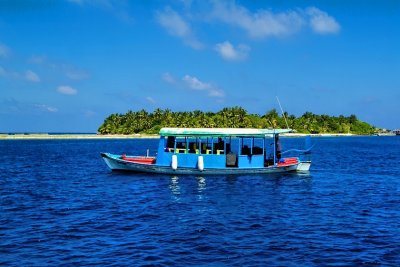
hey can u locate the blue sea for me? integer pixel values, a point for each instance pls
(60, 205)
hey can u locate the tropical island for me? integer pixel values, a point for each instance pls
(143, 122)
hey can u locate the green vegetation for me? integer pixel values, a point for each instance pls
(233, 117)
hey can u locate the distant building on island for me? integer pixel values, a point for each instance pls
(386, 132)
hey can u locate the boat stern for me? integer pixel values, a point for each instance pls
(303, 166)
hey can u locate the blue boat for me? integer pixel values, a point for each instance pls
(210, 151)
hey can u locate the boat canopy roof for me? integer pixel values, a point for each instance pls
(221, 132)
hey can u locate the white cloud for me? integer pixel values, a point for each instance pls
(51, 109)
(67, 90)
(46, 108)
(266, 23)
(194, 83)
(35, 59)
(13, 106)
(177, 26)
(75, 74)
(69, 71)
(150, 100)
(260, 24)
(321, 22)
(174, 23)
(89, 113)
(228, 52)
(4, 50)
(166, 77)
(31, 76)
(28, 75)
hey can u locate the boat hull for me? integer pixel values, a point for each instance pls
(115, 163)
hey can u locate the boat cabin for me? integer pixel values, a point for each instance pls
(219, 147)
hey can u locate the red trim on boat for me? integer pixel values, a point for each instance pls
(142, 160)
(287, 162)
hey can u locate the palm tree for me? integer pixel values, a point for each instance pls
(272, 118)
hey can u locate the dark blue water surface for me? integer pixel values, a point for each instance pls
(61, 205)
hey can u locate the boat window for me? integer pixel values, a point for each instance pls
(251, 146)
(232, 145)
(176, 144)
(170, 141)
(206, 145)
(269, 148)
(193, 145)
(203, 145)
(258, 145)
(218, 146)
(246, 146)
(170, 144)
(180, 145)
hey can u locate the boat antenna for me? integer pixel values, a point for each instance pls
(283, 114)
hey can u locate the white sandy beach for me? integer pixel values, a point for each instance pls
(75, 136)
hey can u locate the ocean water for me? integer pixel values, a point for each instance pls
(60, 205)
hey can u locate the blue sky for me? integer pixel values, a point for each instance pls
(66, 65)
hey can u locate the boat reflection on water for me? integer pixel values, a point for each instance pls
(174, 187)
(201, 184)
(201, 187)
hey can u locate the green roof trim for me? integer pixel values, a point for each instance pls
(221, 132)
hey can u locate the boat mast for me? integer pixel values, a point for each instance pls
(283, 114)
